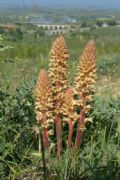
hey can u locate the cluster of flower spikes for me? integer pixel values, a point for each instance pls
(54, 98)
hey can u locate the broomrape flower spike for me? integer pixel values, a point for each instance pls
(58, 79)
(58, 64)
(84, 83)
(42, 104)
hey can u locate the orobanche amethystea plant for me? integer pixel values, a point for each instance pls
(56, 102)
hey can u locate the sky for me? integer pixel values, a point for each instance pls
(65, 3)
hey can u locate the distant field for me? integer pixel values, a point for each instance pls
(23, 61)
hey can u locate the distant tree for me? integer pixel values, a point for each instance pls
(40, 33)
(18, 33)
(30, 26)
(112, 23)
(83, 25)
(18, 23)
(2, 30)
(73, 34)
(99, 23)
(11, 32)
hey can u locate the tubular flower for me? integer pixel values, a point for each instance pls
(68, 112)
(43, 104)
(84, 84)
(58, 78)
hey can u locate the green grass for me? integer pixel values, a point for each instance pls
(23, 61)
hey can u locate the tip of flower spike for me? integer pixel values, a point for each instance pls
(60, 39)
(91, 42)
(42, 75)
(85, 79)
(59, 48)
(90, 46)
(42, 79)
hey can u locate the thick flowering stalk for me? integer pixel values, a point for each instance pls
(84, 84)
(43, 104)
(58, 79)
(69, 114)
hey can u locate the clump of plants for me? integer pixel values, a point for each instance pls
(57, 104)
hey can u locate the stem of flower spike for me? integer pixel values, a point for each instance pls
(59, 135)
(81, 122)
(44, 131)
(70, 134)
